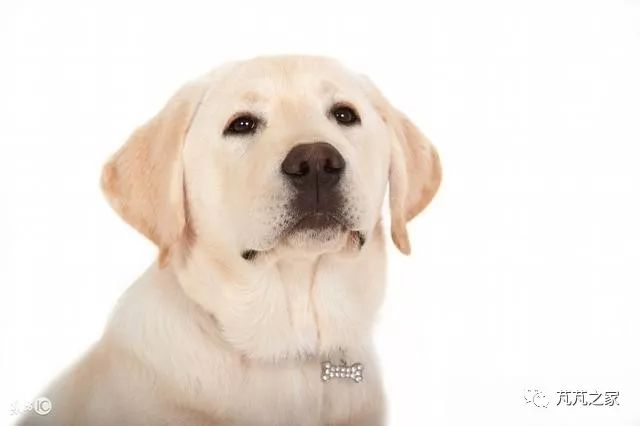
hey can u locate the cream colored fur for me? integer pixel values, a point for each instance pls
(206, 337)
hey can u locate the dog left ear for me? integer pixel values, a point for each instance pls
(414, 176)
(143, 181)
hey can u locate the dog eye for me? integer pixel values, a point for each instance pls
(244, 124)
(345, 115)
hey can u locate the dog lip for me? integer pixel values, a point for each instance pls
(318, 220)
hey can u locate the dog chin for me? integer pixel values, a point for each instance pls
(317, 240)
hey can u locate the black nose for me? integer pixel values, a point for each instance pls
(313, 166)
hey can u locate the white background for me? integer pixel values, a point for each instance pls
(526, 267)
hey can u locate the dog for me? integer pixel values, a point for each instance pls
(262, 185)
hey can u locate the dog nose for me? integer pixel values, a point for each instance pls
(313, 166)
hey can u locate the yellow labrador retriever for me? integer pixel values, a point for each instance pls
(262, 184)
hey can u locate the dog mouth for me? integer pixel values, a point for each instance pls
(316, 226)
(318, 221)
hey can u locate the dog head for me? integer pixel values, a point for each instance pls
(272, 154)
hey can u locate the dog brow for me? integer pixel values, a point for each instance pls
(328, 87)
(252, 97)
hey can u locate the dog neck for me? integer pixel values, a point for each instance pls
(289, 308)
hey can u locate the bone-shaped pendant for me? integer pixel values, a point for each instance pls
(343, 371)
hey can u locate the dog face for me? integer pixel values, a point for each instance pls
(283, 153)
(289, 153)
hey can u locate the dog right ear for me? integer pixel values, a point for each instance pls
(414, 172)
(143, 181)
(414, 177)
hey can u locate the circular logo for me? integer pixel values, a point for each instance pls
(42, 406)
(540, 400)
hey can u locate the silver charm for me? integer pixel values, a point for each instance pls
(342, 371)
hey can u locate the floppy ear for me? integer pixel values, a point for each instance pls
(414, 175)
(143, 181)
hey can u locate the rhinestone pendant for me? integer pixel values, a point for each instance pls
(342, 371)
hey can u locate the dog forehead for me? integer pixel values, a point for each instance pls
(268, 77)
